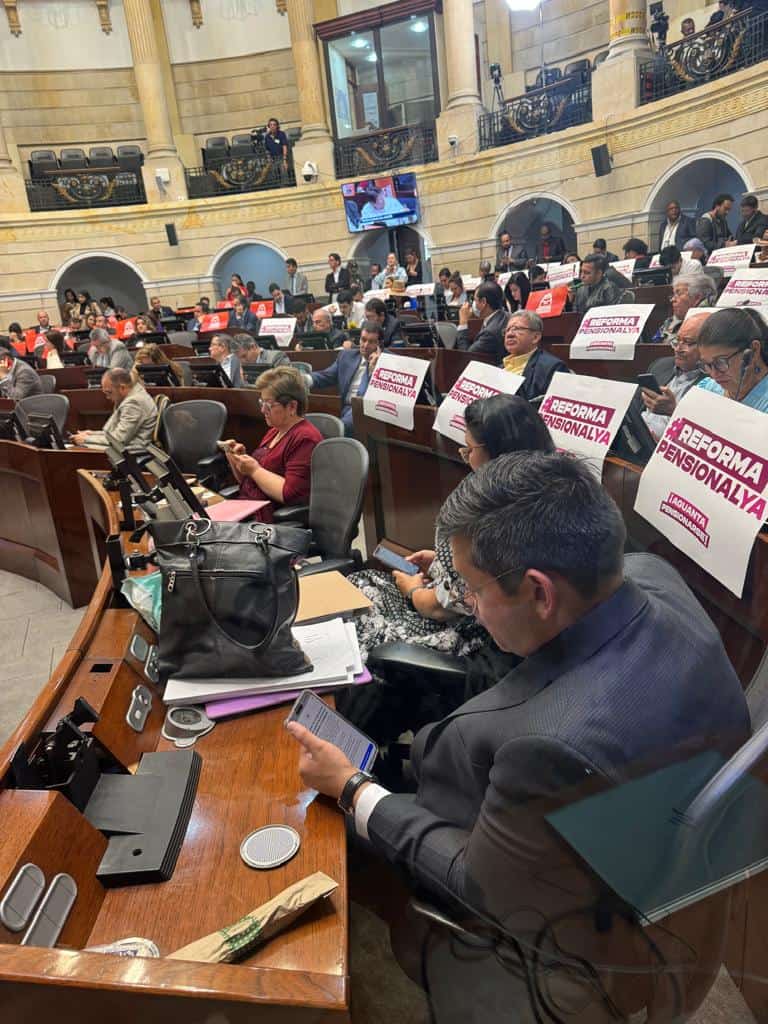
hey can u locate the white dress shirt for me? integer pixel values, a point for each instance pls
(670, 234)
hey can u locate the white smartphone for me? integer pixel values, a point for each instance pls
(325, 723)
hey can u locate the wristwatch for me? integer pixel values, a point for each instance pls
(346, 800)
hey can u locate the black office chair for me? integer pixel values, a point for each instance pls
(41, 161)
(242, 146)
(182, 338)
(187, 374)
(129, 158)
(216, 150)
(339, 475)
(328, 425)
(47, 405)
(578, 67)
(73, 160)
(189, 432)
(101, 156)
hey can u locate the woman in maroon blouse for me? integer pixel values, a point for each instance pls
(279, 469)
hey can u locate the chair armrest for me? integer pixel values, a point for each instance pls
(296, 514)
(342, 565)
(397, 654)
(229, 492)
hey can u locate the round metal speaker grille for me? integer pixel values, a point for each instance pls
(270, 846)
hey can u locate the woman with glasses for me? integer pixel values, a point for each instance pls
(419, 609)
(733, 346)
(278, 471)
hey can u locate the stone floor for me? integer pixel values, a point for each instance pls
(36, 627)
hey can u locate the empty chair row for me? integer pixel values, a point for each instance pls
(582, 68)
(43, 161)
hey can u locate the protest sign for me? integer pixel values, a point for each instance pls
(625, 267)
(563, 274)
(732, 257)
(415, 290)
(548, 303)
(281, 328)
(610, 332)
(748, 286)
(477, 380)
(393, 389)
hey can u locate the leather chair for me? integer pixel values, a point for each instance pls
(47, 383)
(73, 160)
(216, 150)
(182, 338)
(187, 374)
(189, 432)
(242, 146)
(448, 333)
(42, 161)
(47, 405)
(101, 156)
(329, 426)
(129, 158)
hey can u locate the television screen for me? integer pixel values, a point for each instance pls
(381, 202)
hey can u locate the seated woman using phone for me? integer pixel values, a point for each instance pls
(278, 471)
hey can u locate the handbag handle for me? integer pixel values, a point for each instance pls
(195, 556)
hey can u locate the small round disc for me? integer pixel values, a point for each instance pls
(270, 846)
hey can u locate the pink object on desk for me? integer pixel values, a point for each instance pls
(235, 510)
(237, 705)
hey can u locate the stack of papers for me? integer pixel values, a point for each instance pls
(331, 646)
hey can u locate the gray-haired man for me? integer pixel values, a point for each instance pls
(108, 352)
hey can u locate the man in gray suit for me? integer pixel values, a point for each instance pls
(132, 424)
(622, 672)
(297, 282)
(17, 378)
(110, 353)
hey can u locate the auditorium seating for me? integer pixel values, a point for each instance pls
(45, 161)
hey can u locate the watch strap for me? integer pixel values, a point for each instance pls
(353, 783)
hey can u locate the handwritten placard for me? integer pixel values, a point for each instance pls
(731, 258)
(393, 389)
(748, 286)
(706, 486)
(477, 380)
(584, 414)
(417, 290)
(610, 332)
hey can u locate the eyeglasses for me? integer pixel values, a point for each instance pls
(268, 404)
(466, 450)
(514, 329)
(464, 596)
(720, 364)
(683, 343)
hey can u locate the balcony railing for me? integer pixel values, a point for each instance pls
(232, 175)
(385, 150)
(731, 44)
(77, 190)
(563, 104)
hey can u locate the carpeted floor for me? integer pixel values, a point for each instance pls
(37, 628)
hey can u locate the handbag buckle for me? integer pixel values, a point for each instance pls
(261, 534)
(196, 528)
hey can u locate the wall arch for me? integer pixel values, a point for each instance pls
(655, 195)
(103, 273)
(255, 259)
(100, 254)
(375, 244)
(524, 216)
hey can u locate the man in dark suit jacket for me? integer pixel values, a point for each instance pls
(752, 224)
(17, 378)
(391, 328)
(338, 278)
(242, 318)
(351, 372)
(676, 228)
(537, 366)
(622, 673)
(488, 304)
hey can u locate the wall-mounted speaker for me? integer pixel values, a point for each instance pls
(173, 238)
(601, 160)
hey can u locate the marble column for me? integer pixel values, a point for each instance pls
(316, 144)
(162, 158)
(616, 82)
(459, 118)
(627, 30)
(13, 194)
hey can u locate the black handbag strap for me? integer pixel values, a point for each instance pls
(195, 557)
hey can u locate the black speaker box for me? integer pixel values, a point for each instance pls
(601, 160)
(173, 238)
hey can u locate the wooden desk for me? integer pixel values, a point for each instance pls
(43, 533)
(249, 778)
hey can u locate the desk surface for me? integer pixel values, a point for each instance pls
(249, 778)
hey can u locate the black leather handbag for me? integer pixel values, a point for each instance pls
(230, 594)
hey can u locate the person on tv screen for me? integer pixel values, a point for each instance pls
(381, 205)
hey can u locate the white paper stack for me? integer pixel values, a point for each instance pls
(331, 646)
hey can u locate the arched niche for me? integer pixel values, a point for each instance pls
(694, 181)
(103, 273)
(254, 259)
(523, 220)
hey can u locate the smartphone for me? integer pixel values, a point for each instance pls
(395, 561)
(325, 723)
(649, 382)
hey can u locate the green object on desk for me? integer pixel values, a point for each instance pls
(145, 595)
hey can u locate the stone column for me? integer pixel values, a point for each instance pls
(459, 118)
(13, 194)
(616, 83)
(316, 144)
(162, 158)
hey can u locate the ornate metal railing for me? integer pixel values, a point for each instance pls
(239, 174)
(561, 105)
(77, 190)
(385, 150)
(731, 44)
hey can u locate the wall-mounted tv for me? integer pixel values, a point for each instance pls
(381, 202)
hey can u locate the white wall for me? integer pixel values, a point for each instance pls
(231, 28)
(59, 36)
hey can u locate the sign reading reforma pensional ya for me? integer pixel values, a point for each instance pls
(732, 257)
(610, 332)
(748, 286)
(478, 380)
(706, 486)
(394, 388)
(584, 414)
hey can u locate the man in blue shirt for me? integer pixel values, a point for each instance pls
(276, 142)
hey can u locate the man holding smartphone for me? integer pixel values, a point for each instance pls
(679, 372)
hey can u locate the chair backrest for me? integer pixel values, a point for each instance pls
(41, 160)
(182, 338)
(73, 158)
(448, 333)
(130, 157)
(757, 694)
(339, 475)
(217, 142)
(304, 367)
(161, 403)
(576, 66)
(38, 155)
(328, 425)
(187, 374)
(47, 405)
(47, 383)
(190, 430)
(101, 156)
(242, 140)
